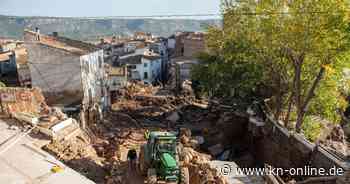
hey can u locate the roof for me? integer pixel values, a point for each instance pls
(151, 57)
(69, 45)
(5, 56)
(134, 59)
(137, 59)
(25, 162)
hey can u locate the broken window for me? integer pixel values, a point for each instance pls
(145, 75)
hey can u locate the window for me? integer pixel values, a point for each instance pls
(145, 65)
(145, 75)
(132, 66)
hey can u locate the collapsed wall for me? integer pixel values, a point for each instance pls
(27, 100)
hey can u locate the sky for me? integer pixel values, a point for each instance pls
(101, 8)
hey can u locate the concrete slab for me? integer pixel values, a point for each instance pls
(26, 163)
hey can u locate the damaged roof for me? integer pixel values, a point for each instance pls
(69, 45)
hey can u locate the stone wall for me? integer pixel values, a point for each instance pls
(276, 146)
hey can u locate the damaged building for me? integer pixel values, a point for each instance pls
(145, 67)
(67, 71)
(14, 70)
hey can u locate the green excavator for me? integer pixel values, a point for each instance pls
(159, 159)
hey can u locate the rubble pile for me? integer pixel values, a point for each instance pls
(198, 163)
(80, 155)
(336, 141)
(24, 100)
(141, 108)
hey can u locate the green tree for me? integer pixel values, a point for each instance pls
(291, 45)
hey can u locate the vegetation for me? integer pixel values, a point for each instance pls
(291, 51)
(2, 85)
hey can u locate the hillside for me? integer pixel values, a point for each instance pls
(92, 29)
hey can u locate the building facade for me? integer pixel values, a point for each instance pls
(67, 71)
(145, 67)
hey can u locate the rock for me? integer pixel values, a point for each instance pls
(185, 131)
(184, 140)
(194, 143)
(216, 149)
(336, 141)
(52, 119)
(337, 134)
(173, 117)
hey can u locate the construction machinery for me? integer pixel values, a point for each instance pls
(159, 159)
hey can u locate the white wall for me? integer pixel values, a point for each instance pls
(92, 66)
(153, 70)
(171, 43)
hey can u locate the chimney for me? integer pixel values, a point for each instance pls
(55, 34)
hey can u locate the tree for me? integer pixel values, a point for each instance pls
(292, 43)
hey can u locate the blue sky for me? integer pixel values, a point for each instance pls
(95, 8)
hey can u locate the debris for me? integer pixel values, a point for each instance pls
(199, 139)
(336, 142)
(12, 127)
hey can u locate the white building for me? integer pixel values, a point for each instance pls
(171, 42)
(143, 67)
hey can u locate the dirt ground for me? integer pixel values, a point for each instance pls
(101, 152)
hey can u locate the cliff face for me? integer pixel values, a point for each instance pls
(92, 29)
